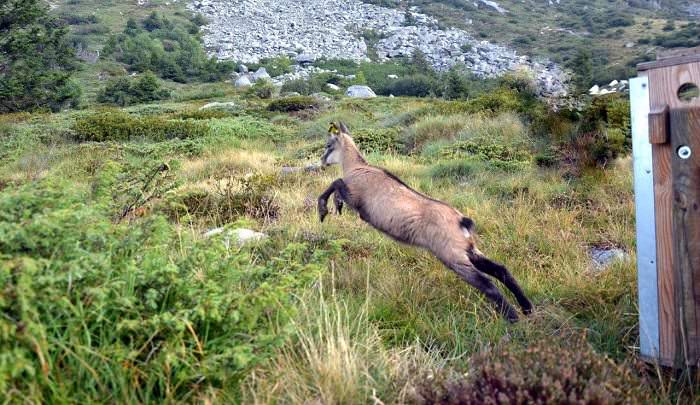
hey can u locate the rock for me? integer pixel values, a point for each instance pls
(242, 68)
(629, 45)
(332, 87)
(305, 59)
(243, 81)
(240, 236)
(613, 83)
(261, 74)
(392, 76)
(321, 97)
(605, 257)
(217, 104)
(359, 91)
(594, 90)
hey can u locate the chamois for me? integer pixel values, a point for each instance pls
(409, 217)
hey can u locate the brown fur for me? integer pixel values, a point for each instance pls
(389, 205)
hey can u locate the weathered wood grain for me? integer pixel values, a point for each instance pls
(685, 124)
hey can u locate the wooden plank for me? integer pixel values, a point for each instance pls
(685, 124)
(657, 64)
(658, 125)
(676, 52)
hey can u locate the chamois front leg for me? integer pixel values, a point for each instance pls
(472, 276)
(323, 198)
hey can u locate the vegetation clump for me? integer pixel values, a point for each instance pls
(126, 91)
(120, 126)
(543, 373)
(151, 317)
(294, 103)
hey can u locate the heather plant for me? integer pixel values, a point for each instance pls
(94, 311)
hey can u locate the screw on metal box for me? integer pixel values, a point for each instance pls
(684, 152)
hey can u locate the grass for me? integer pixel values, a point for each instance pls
(381, 316)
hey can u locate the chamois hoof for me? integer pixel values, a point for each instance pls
(322, 212)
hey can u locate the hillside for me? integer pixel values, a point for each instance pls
(160, 239)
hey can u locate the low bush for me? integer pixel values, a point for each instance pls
(412, 86)
(431, 128)
(545, 373)
(226, 200)
(246, 127)
(119, 126)
(489, 151)
(207, 114)
(97, 312)
(127, 91)
(457, 170)
(376, 140)
(294, 103)
(262, 89)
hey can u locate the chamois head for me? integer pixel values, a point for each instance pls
(333, 151)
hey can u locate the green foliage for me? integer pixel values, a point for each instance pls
(125, 91)
(119, 126)
(209, 113)
(457, 170)
(413, 86)
(547, 372)
(36, 60)
(294, 103)
(228, 199)
(376, 140)
(499, 155)
(262, 89)
(685, 37)
(276, 66)
(246, 127)
(168, 48)
(98, 312)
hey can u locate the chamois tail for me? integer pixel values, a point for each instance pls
(501, 273)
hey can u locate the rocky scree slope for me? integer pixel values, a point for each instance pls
(248, 30)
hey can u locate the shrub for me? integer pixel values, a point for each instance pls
(462, 169)
(132, 312)
(245, 127)
(119, 126)
(294, 103)
(126, 91)
(429, 129)
(413, 86)
(262, 89)
(209, 113)
(547, 372)
(227, 199)
(376, 140)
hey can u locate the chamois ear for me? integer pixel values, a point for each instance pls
(343, 128)
(333, 128)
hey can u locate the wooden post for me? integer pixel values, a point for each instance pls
(674, 135)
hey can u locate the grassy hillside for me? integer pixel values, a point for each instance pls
(113, 293)
(114, 289)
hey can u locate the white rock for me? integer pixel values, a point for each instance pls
(604, 258)
(594, 90)
(613, 83)
(240, 236)
(332, 87)
(218, 104)
(392, 76)
(359, 91)
(261, 74)
(243, 81)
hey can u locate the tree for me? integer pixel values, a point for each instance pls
(36, 59)
(455, 85)
(583, 70)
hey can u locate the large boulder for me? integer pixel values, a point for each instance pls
(243, 81)
(261, 74)
(305, 59)
(332, 87)
(359, 91)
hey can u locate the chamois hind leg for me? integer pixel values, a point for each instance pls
(482, 283)
(501, 273)
(338, 201)
(323, 198)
